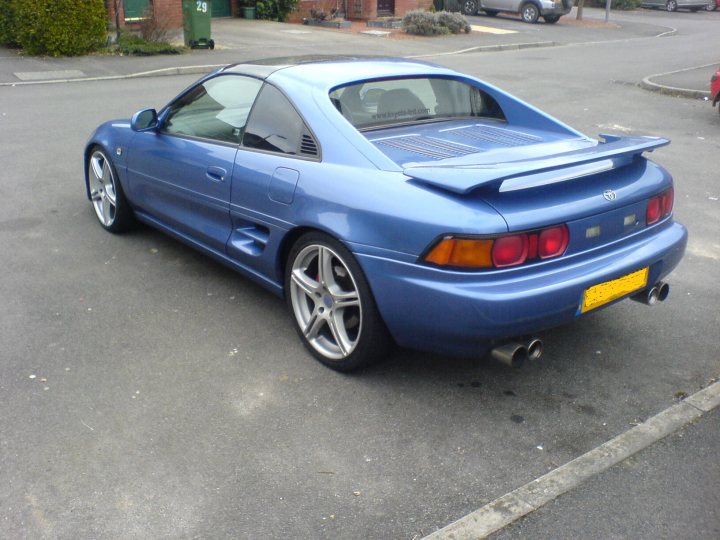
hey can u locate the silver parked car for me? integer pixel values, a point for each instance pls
(674, 5)
(529, 10)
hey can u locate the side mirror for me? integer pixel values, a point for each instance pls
(144, 120)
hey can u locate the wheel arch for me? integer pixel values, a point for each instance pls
(536, 3)
(289, 240)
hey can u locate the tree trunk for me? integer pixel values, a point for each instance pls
(581, 3)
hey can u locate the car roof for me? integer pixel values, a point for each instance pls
(333, 69)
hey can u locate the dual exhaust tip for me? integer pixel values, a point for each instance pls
(515, 354)
(657, 293)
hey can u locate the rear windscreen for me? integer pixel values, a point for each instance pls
(385, 102)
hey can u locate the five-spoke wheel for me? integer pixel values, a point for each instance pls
(671, 5)
(106, 193)
(331, 304)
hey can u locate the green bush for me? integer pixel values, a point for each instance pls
(130, 44)
(7, 24)
(454, 22)
(60, 27)
(424, 23)
(274, 10)
(625, 5)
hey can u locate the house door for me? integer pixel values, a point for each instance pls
(220, 8)
(385, 7)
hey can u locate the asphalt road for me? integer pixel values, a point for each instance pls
(148, 392)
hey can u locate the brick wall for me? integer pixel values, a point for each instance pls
(403, 6)
(358, 9)
(169, 10)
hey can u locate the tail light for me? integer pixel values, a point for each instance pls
(500, 251)
(659, 206)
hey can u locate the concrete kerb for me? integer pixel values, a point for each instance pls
(648, 84)
(203, 69)
(183, 70)
(491, 48)
(526, 499)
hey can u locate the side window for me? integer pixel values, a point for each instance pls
(217, 109)
(275, 126)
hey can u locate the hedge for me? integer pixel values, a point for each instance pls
(59, 27)
(7, 24)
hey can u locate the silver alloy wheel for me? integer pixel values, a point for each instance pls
(671, 5)
(102, 188)
(530, 13)
(325, 301)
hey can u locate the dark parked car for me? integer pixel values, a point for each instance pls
(389, 199)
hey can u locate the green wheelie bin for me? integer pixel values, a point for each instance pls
(196, 24)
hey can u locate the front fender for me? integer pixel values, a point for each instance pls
(113, 137)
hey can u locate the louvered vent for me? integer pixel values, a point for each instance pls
(429, 147)
(501, 136)
(308, 146)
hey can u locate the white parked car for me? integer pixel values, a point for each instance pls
(529, 10)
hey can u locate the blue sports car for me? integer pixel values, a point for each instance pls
(390, 200)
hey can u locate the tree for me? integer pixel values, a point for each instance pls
(581, 4)
(116, 10)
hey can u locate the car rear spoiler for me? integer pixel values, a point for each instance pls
(462, 177)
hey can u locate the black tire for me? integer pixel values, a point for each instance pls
(551, 19)
(106, 193)
(671, 5)
(469, 7)
(491, 12)
(712, 5)
(530, 13)
(211, 44)
(321, 274)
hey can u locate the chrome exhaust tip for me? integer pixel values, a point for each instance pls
(657, 293)
(534, 349)
(511, 354)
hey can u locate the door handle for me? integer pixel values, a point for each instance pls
(216, 174)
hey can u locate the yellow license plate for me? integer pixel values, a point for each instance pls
(603, 293)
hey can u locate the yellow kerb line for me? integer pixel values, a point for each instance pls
(491, 30)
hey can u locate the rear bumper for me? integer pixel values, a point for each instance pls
(462, 313)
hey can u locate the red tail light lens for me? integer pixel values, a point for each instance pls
(552, 242)
(659, 206)
(510, 250)
(668, 199)
(654, 210)
(499, 251)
